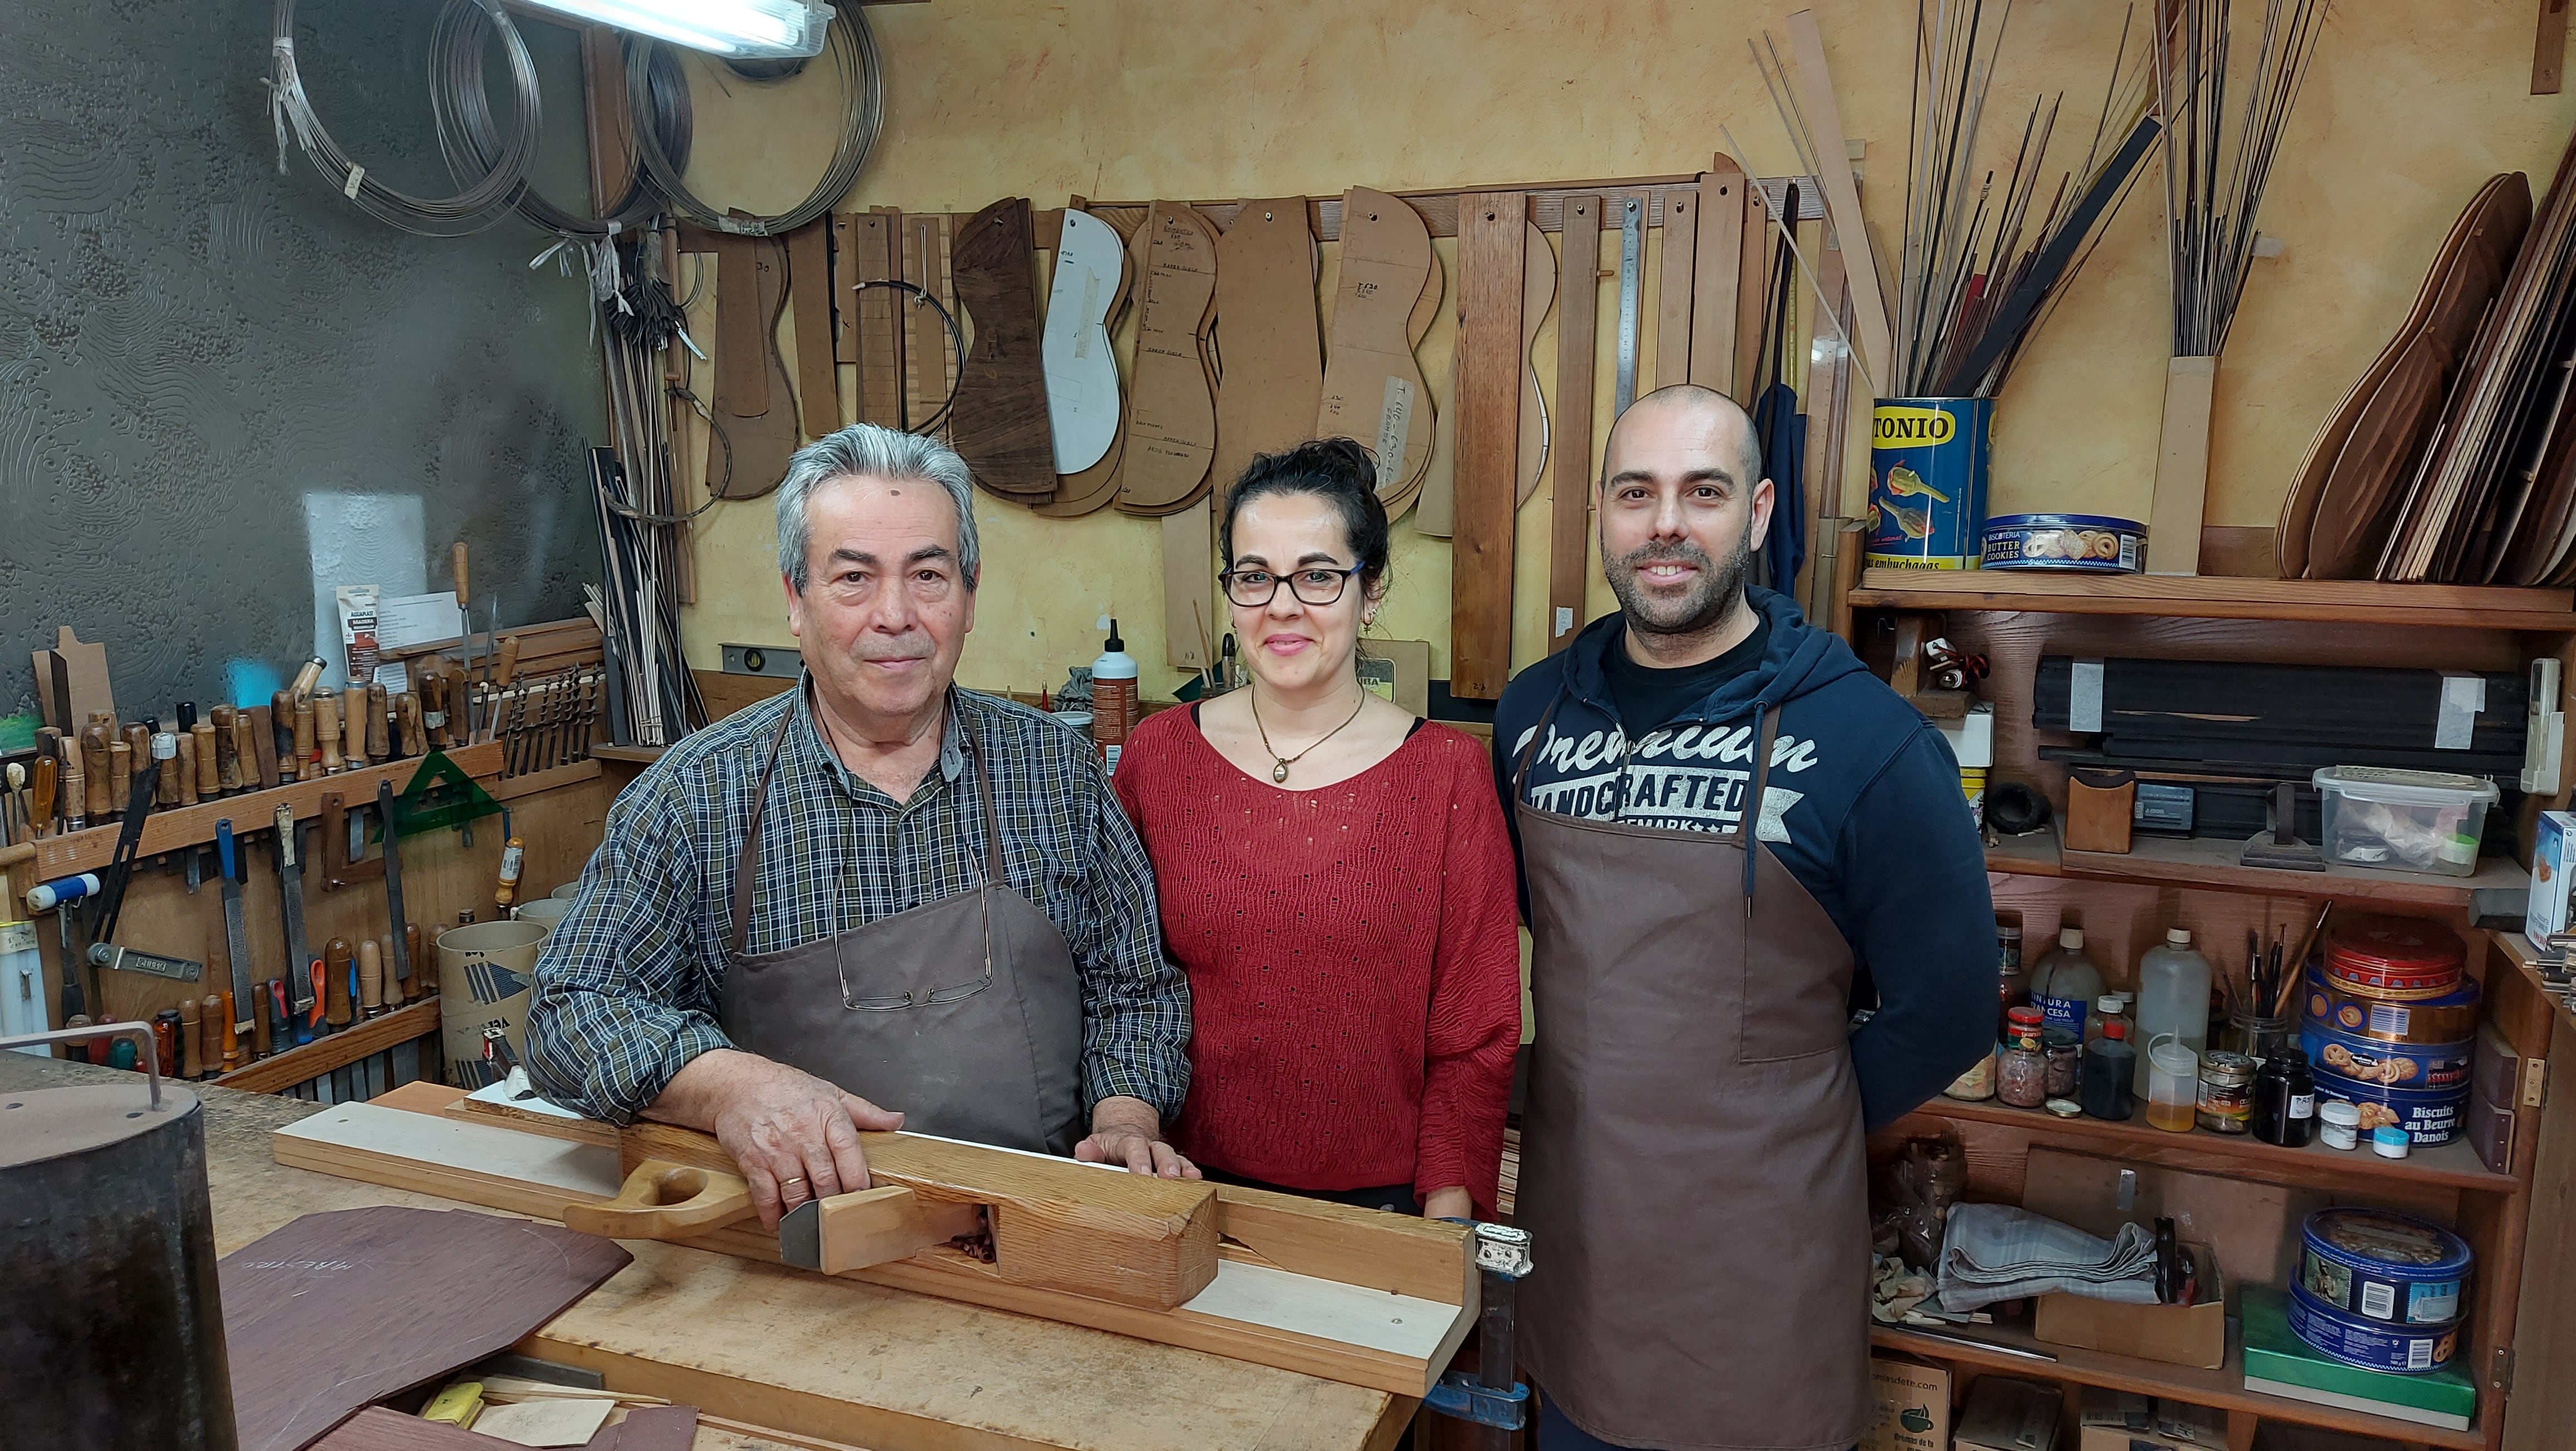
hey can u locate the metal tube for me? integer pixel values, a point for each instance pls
(144, 1047)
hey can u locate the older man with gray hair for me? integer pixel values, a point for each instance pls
(878, 900)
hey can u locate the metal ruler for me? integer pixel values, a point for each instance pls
(1632, 255)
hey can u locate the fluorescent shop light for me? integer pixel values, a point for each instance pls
(744, 28)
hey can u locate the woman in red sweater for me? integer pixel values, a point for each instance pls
(1334, 878)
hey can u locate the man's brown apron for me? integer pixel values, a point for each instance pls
(963, 1014)
(1693, 1175)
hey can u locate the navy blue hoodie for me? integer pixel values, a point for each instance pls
(1863, 807)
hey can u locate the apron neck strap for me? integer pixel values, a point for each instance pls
(1766, 726)
(1529, 749)
(746, 866)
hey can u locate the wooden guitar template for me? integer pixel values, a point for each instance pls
(999, 422)
(1171, 407)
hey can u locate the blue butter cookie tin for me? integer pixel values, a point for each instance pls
(2383, 1267)
(2398, 1065)
(2076, 543)
(2450, 1018)
(2365, 1343)
(1927, 481)
(2429, 1116)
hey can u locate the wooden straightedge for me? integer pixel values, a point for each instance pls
(1347, 1295)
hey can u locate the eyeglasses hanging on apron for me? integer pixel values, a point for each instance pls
(964, 1014)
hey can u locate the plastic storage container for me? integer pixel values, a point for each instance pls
(2173, 1085)
(2173, 996)
(2404, 821)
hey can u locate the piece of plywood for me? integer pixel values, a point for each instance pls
(1569, 548)
(1171, 410)
(999, 422)
(1716, 274)
(877, 315)
(342, 1308)
(1680, 235)
(2182, 467)
(809, 290)
(1842, 196)
(755, 403)
(1273, 374)
(1293, 1318)
(1191, 625)
(929, 354)
(1373, 389)
(1081, 374)
(377, 1429)
(1493, 230)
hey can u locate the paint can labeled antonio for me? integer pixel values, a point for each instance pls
(2391, 1268)
(1927, 481)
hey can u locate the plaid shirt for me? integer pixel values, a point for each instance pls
(628, 987)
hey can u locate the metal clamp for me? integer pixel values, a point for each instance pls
(1493, 1395)
(147, 1049)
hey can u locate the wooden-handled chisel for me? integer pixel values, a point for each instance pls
(40, 796)
(394, 888)
(281, 723)
(219, 732)
(236, 938)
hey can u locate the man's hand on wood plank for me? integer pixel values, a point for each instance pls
(1128, 1131)
(794, 1136)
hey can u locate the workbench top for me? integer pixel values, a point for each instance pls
(884, 1369)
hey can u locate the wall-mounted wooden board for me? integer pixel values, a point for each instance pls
(1569, 550)
(1492, 354)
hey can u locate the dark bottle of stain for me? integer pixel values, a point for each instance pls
(2285, 1100)
(2108, 1087)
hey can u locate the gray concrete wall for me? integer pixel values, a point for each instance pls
(199, 355)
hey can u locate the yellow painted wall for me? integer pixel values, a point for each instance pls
(2410, 107)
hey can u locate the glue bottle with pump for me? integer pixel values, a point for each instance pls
(1113, 697)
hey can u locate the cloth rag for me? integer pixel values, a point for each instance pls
(1995, 1252)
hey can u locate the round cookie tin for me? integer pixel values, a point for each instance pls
(2073, 543)
(2365, 1343)
(2372, 956)
(2429, 1116)
(2399, 1065)
(2384, 1267)
(2450, 1018)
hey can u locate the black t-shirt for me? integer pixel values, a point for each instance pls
(1648, 697)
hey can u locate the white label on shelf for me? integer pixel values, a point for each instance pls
(2084, 697)
(2463, 698)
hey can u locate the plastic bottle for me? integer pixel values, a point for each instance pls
(2065, 983)
(2173, 996)
(1113, 697)
(2109, 1064)
(2285, 1100)
(2173, 1085)
(2106, 1008)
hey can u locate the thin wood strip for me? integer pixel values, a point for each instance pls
(1752, 295)
(809, 292)
(1569, 553)
(879, 320)
(1673, 312)
(1722, 190)
(1490, 266)
(929, 359)
(1842, 194)
(1827, 396)
(2549, 49)
(845, 281)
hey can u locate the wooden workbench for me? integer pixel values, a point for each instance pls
(862, 1365)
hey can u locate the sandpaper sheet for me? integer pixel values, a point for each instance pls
(339, 1310)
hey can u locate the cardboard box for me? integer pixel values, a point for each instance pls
(1972, 737)
(1913, 1405)
(2004, 1413)
(2553, 853)
(2194, 1335)
(2125, 1421)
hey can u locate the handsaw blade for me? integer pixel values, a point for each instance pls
(236, 937)
(290, 897)
(1632, 253)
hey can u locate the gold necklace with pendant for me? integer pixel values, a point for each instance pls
(1279, 763)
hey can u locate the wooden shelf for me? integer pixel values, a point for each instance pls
(2222, 1389)
(2210, 863)
(2454, 1165)
(251, 812)
(358, 1040)
(2357, 602)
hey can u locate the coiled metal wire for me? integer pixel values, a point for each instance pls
(478, 204)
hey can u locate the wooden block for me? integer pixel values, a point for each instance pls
(1171, 409)
(999, 421)
(1569, 549)
(1715, 274)
(1373, 388)
(1056, 1224)
(879, 1225)
(1842, 198)
(71, 682)
(878, 323)
(845, 281)
(2182, 468)
(1492, 241)
(809, 285)
(1673, 290)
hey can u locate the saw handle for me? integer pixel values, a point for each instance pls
(663, 1200)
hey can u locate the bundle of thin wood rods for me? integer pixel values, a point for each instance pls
(1979, 272)
(655, 700)
(2218, 153)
